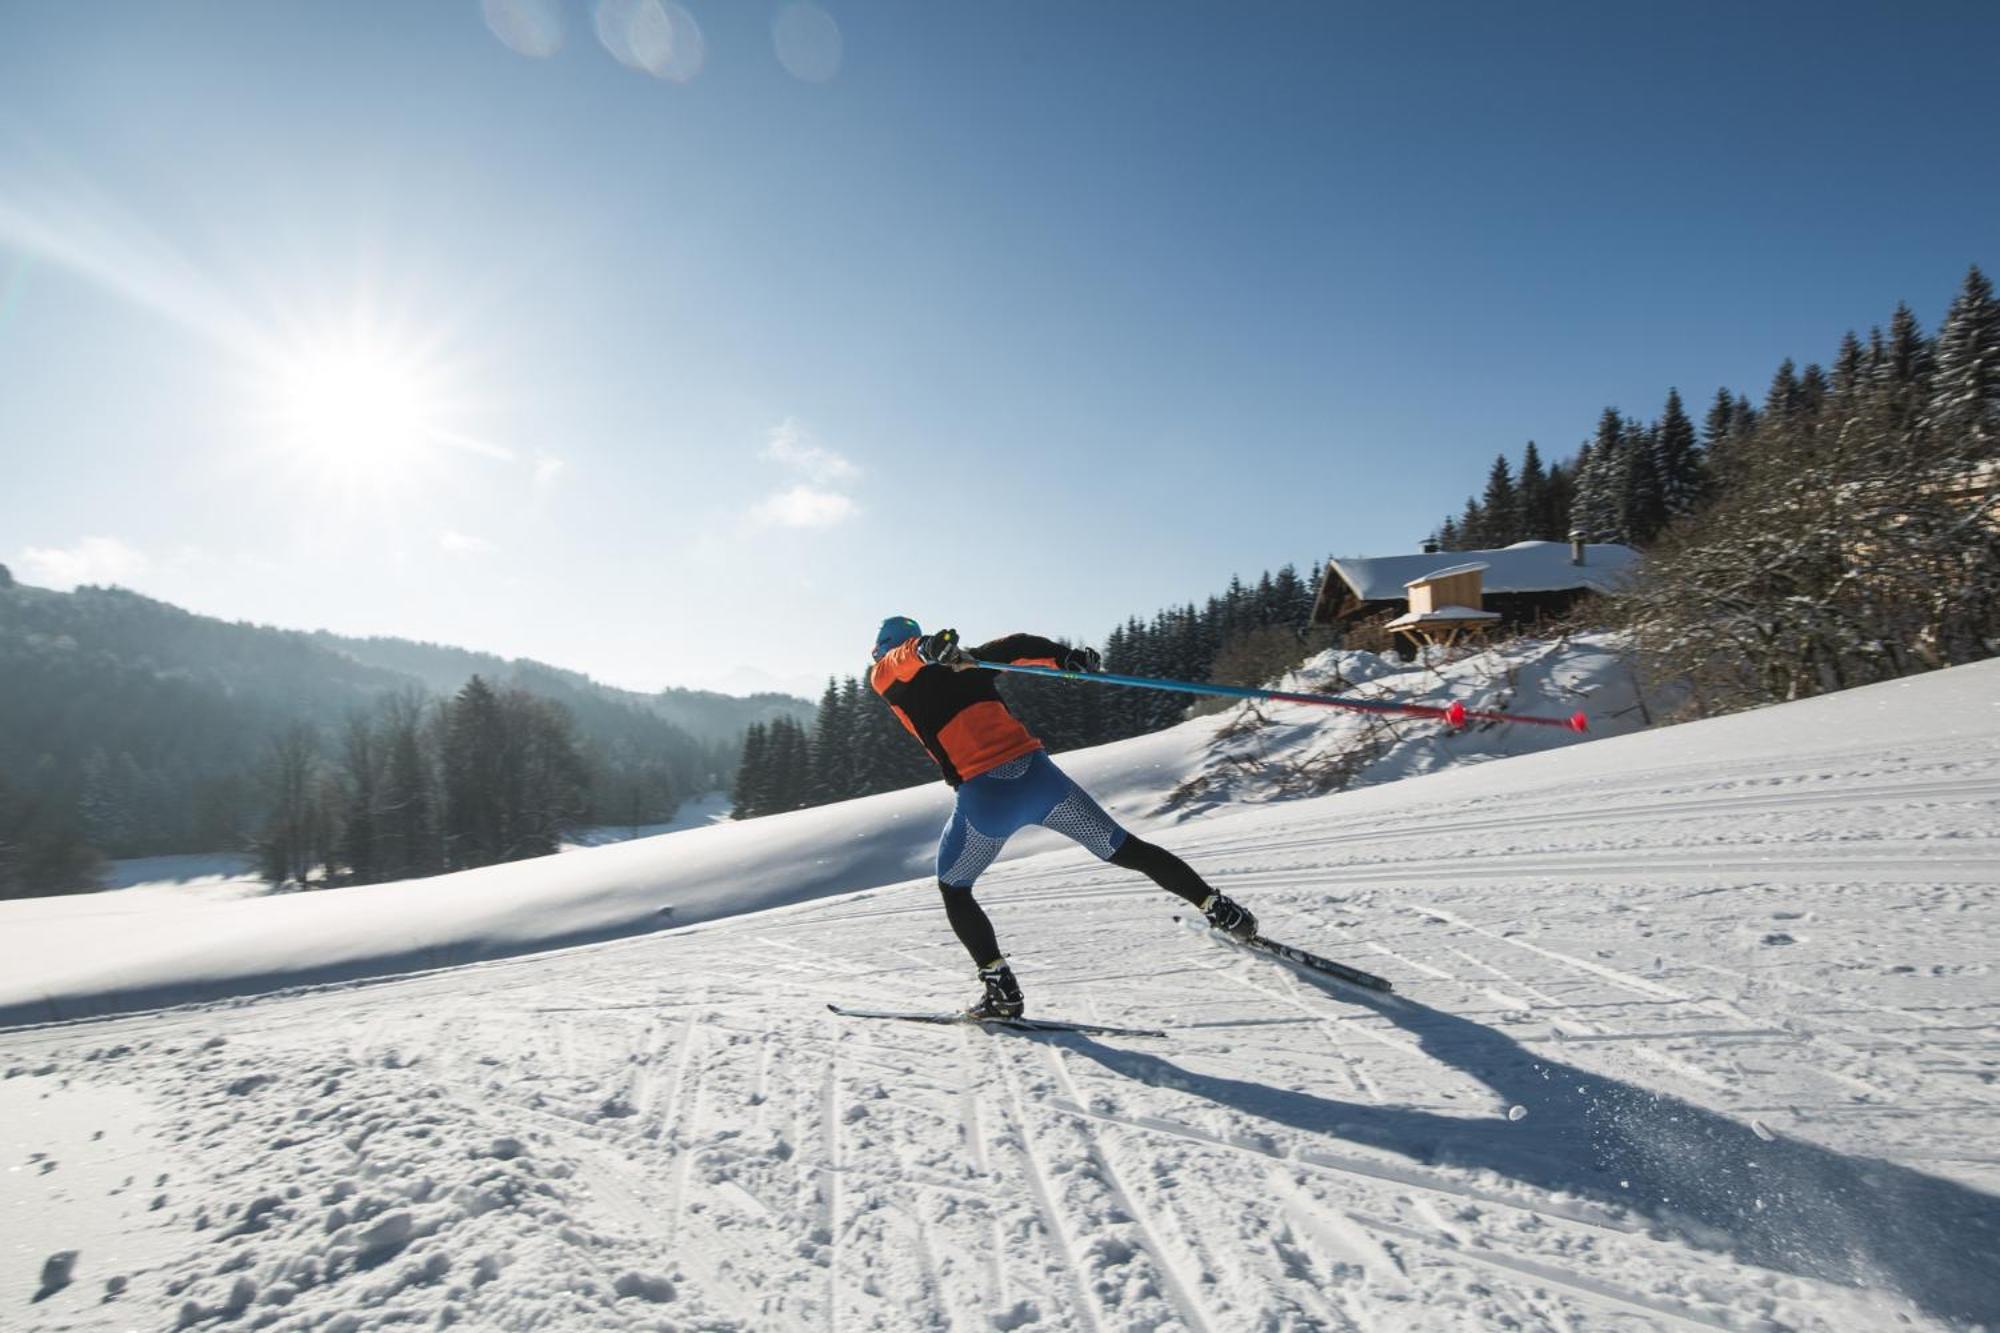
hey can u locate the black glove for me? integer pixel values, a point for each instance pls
(1083, 659)
(942, 649)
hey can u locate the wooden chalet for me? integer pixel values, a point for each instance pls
(1516, 586)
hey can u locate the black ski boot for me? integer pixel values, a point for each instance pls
(1003, 994)
(1229, 916)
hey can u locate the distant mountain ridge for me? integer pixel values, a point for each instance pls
(151, 720)
(707, 715)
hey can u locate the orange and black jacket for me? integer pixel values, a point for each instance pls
(959, 715)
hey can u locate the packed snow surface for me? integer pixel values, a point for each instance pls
(1693, 1028)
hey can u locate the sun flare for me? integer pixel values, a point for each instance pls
(362, 413)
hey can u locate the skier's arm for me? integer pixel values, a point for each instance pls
(895, 666)
(1023, 650)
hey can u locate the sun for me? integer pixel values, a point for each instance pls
(359, 413)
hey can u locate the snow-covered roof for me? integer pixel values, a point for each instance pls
(1522, 567)
(1442, 615)
(1471, 568)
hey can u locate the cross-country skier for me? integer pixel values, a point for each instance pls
(1005, 781)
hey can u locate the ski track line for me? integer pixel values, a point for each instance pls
(1087, 1314)
(1173, 1275)
(1779, 983)
(1334, 1232)
(973, 1129)
(1315, 1015)
(1543, 1001)
(1327, 1027)
(1888, 1049)
(1581, 1283)
(1652, 990)
(1347, 1165)
(1638, 985)
(1595, 815)
(686, 1101)
(929, 1280)
(1843, 864)
(830, 1180)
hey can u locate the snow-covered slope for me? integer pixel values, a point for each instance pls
(1693, 1028)
(72, 957)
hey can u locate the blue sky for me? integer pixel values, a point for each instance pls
(1007, 315)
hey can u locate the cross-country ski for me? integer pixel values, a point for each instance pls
(1287, 953)
(1014, 1024)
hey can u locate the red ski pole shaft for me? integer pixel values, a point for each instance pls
(1454, 714)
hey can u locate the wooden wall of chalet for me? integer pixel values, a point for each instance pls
(1518, 611)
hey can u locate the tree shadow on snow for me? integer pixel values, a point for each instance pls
(1781, 1203)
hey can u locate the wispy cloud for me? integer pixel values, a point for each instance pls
(820, 499)
(803, 507)
(789, 445)
(459, 543)
(92, 560)
(547, 469)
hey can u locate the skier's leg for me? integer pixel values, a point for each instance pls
(971, 924)
(963, 853)
(1179, 878)
(1163, 868)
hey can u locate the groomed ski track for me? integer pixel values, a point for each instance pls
(1693, 1029)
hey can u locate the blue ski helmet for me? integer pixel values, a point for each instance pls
(895, 630)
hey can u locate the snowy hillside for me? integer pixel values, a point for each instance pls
(1693, 1028)
(72, 957)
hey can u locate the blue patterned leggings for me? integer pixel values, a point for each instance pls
(1002, 801)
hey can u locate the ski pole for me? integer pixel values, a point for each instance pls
(1454, 714)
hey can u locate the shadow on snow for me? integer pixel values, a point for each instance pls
(1780, 1204)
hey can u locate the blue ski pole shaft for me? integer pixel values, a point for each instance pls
(1455, 714)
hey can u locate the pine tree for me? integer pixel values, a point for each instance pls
(1500, 505)
(1850, 368)
(746, 794)
(1472, 526)
(408, 834)
(475, 766)
(288, 846)
(1598, 512)
(361, 844)
(1538, 521)
(1718, 435)
(1963, 412)
(1902, 379)
(1680, 463)
(1642, 509)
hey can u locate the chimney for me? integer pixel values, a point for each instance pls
(1576, 548)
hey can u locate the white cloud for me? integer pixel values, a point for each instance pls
(547, 468)
(803, 507)
(459, 543)
(92, 560)
(820, 499)
(789, 445)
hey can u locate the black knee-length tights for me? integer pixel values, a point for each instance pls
(969, 922)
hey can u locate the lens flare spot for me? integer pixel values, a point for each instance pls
(808, 42)
(532, 28)
(656, 37)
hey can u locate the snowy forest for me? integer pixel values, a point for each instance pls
(130, 727)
